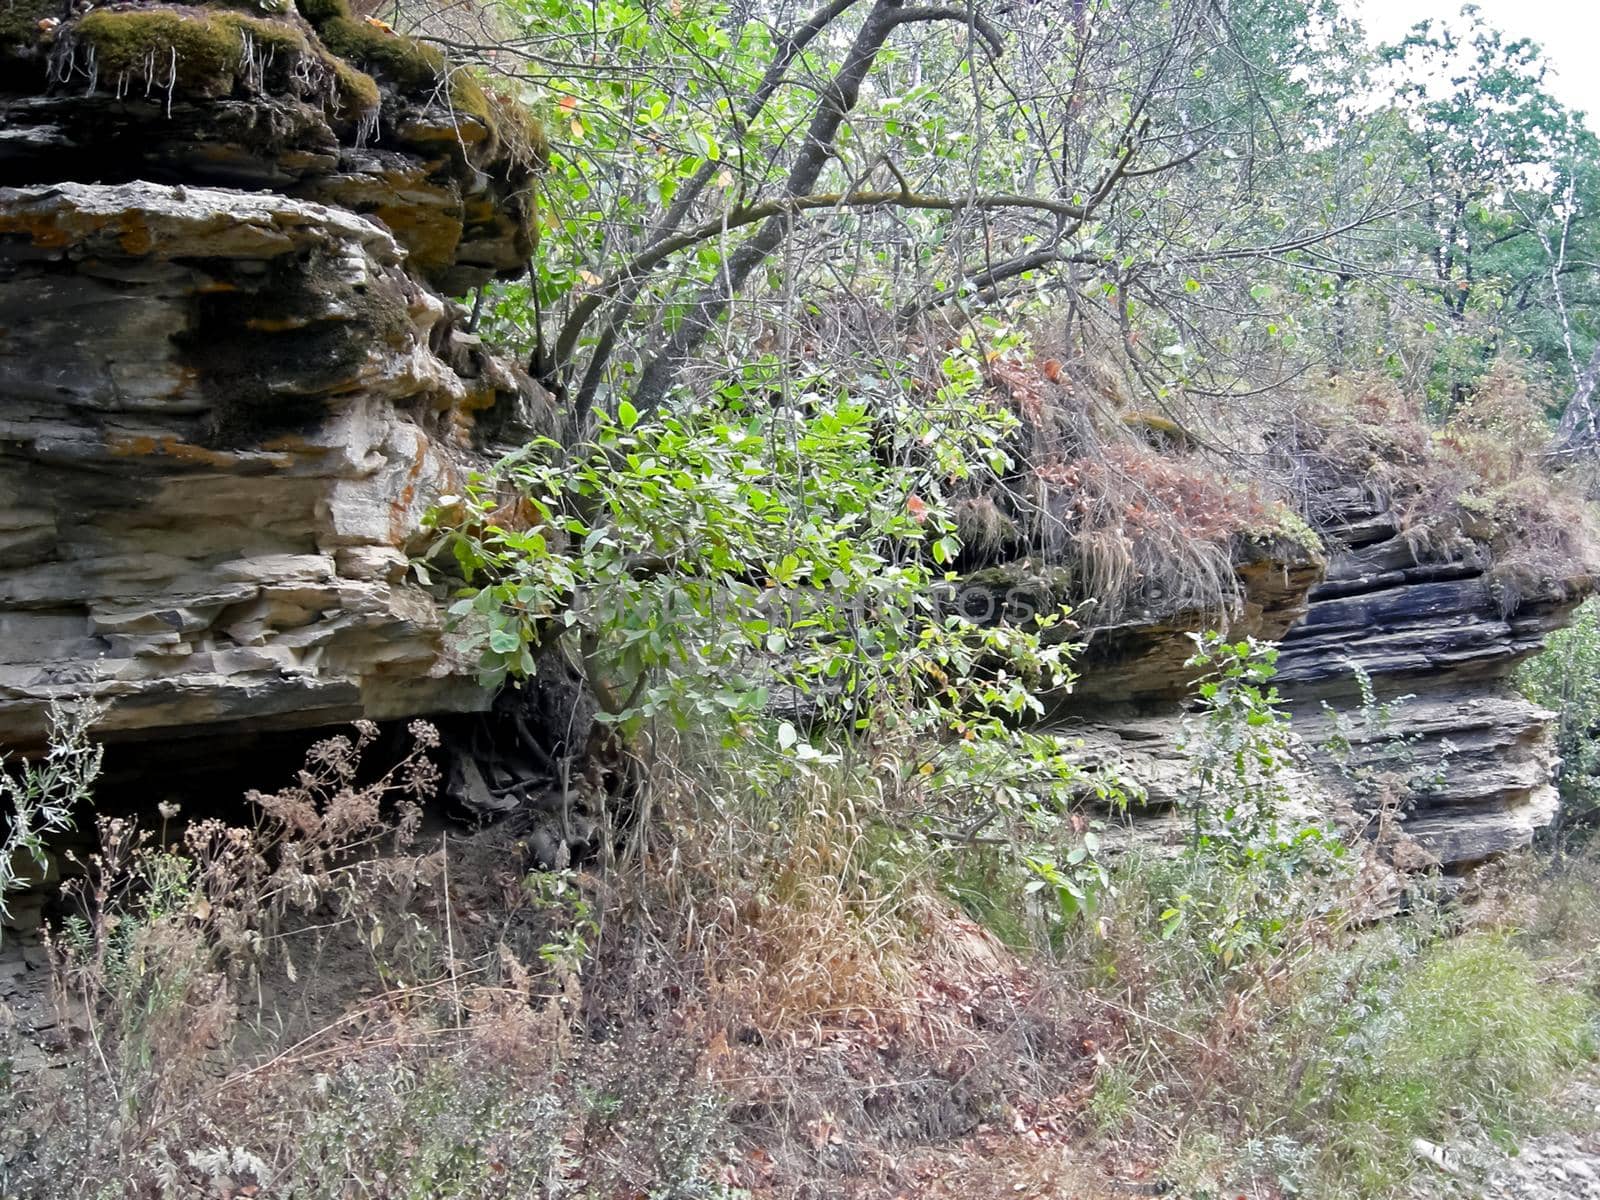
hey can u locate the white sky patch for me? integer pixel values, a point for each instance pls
(1569, 31)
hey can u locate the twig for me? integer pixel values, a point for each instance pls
(449, 929)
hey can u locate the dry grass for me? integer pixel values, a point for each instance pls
(777, 999)
(1473, 491)
(856, 1023)
(1152, 508)
(774, 998)
(212, 986)
(1147, 518)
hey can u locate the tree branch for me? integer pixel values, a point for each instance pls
(837, 100)
(951, 13)
(790, 49)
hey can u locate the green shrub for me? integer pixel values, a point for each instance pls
(1250, 864)
(1468, 1032)
(1310, 1064)
(39, 798)
(700, 566)
(1566, 677)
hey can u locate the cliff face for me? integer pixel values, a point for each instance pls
(230, 381)
(1468, 764)
(1137, 663)
(1485, 756)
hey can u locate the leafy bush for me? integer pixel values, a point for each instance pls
(679, 551)
(1566, 677)
(39, 798)
(1253, 858)
(780, 579)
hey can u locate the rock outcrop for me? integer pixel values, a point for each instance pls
(231, 380)
(1480, 759)
(1465, 766)
(1138, 662)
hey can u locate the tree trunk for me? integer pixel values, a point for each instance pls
(1580, 423)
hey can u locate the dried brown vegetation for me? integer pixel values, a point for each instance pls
(782, 993)
(333, 1002)
(1145, 518)
(1152, 514)
(1475, 490)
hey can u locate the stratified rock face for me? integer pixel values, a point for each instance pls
(253, 97)
(1481, 758)
(230, 382)
(1399, 618)
(1476, 777)
(1136, 664)
(223, 416)
(1467, 764)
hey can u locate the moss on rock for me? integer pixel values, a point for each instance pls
(409, 65)
(357, 89)
(313, 78)
(199, 55)
(511, 131)
(210, 53)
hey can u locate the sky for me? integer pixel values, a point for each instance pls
(1569, 31)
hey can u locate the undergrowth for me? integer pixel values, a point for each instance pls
(1311, 1070)
(804, 986)
(1565, 677)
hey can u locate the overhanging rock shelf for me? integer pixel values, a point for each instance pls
(1428, 629)
(231, 378)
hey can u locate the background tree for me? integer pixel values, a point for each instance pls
(1505, 223)
(726, 179)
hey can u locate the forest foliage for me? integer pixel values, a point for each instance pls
(1221, 199)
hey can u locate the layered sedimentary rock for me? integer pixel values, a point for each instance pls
(1465, 767)
(1139, 661)
(305, 101)
(230, 379)
(1471, 763)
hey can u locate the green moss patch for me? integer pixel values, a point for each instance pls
(213, 53)
(409, 65)
(512, 133)
(195, 55)
(358, 91)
